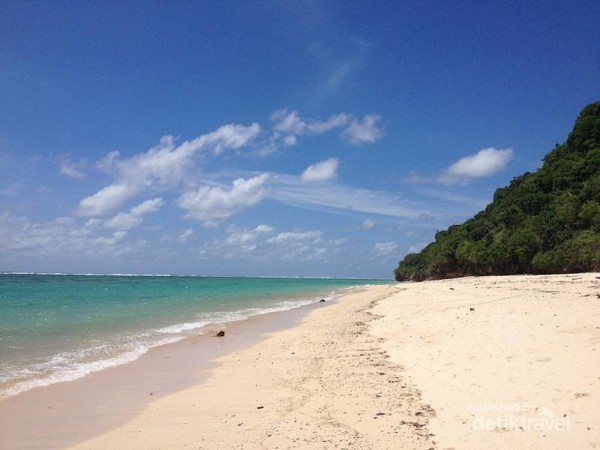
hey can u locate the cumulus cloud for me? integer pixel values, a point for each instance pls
(365, 131)
(107, 163)
(368, 224)
(232, 136)
(295, 236)
(50, 241)
(127, 221)
(290, 122)
(185, 236)
(336, 121)
(321, 171)
(263, 243)
(385, 248)
(105, 201)
(72, 169)
(289, 125)
(306, 245)
(290, 141)
(484, 163)
(160, 168)
(210, 204)
(110, 240)
(246, 241)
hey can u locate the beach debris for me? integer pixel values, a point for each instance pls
(220, 334)
(413, 424)
(259, 407)
(322, 300)
(471, 309)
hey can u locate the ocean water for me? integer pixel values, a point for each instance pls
(56, 328)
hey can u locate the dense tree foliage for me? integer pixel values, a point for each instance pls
(543, 222)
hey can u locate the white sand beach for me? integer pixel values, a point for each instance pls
(472, 363)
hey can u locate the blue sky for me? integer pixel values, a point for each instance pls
(313, 138)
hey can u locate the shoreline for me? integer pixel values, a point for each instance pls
(121, 330)
(126, 389)
(320, 384)
(469, 363)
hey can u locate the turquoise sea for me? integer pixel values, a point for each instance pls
(56, 328)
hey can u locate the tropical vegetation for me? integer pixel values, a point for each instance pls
(543, 222)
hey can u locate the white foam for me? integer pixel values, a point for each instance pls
(179, 328)
(75, 370)
(69, 366)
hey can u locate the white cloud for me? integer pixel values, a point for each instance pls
(303, 245)
(368, 224)
(50, 241)
(160, 168)
(185, 236)
(288, 121)
(262, 244)
(263, 229)
(288, 125)
(116, 237)
(341, 72)
(484, 163)
(290, 140)
(365, 131)
(72, 169)
(334, 196)
(211, 204)
(417, 247)
(127, 221)
(321, 171)
(146, 207)
(107, 163)
(385, 248)
(336, 121)
(295, 236)
(415, 178)
(232, 136)
(246, 241)
(105, 201)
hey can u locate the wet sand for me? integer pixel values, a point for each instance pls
(62, 414)
(473, 363)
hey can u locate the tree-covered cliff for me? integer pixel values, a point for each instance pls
(543, 222)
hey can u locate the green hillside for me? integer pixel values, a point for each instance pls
(543, 222)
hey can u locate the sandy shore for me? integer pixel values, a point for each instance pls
(326, 383)
(506, 362)
(490, 362)
(62, 414)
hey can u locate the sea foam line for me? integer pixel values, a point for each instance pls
(67, 368)
(76, 370)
